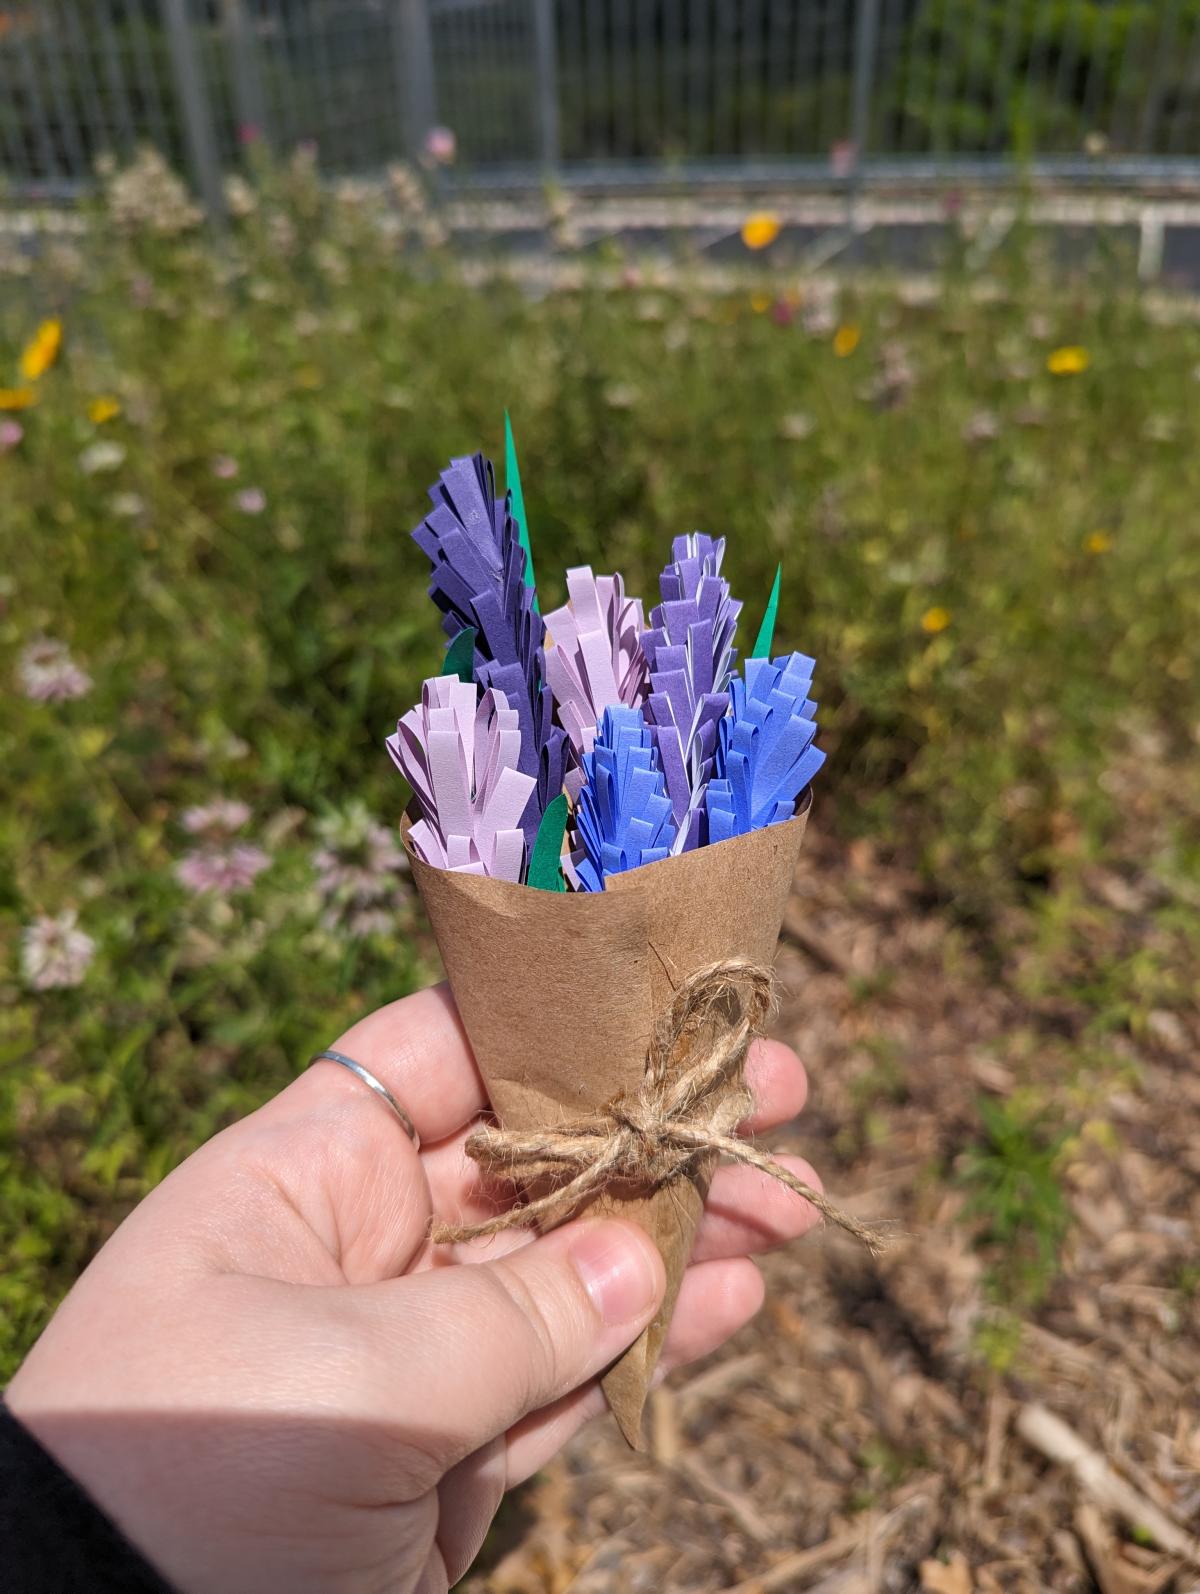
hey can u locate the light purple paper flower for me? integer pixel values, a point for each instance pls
(689, 650)
(221, 870)
(766, 753)
(55, 953)
(48, 673)
(461, 758)
(478, 580)
(595, 660)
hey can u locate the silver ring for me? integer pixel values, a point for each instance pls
(377, 1085)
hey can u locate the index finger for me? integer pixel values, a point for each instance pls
(418, 1048)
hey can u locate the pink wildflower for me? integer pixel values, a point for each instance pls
(55, 953)
(223, 871)
(49, 674)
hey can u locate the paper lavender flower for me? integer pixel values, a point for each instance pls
(765, 754)
(478, 580)
(596, 660)
(624, 817)
(460, 758)
(689, 650)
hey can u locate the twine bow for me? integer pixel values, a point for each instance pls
(688, 1107)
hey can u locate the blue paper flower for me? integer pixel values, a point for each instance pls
(624, 817)
(689, 649)
(766, 755)
(478, 580)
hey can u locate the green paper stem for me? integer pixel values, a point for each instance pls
(766, 631)
(545, 861)
(460, 656)
(512, 481)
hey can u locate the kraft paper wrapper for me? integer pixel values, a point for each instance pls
(559, 993)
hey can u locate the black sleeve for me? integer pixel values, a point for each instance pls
(53, 1538)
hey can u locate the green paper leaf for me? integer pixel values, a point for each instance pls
(512, 481)
(460, 656)
(545, 861)
(766, 631)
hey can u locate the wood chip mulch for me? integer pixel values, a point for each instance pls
(861, 1435)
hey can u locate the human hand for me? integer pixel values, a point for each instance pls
(272, 1381)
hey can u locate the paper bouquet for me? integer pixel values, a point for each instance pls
(605, 823)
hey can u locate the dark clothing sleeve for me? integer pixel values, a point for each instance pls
(53, 1538)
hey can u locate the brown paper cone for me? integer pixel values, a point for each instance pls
(559, 993)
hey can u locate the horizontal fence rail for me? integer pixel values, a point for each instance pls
(618, 90)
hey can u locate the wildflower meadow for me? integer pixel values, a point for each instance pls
(982, 490)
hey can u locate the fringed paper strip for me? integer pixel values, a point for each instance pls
(478, 580)
(624, 817)
(595, 660)
(460, 757)
(689, 651)
(766, 755)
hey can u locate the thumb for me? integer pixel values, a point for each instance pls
(475, 1347)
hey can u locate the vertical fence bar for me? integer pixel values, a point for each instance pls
(866, 50)
(146, 75)
(648, 123)
(1188, 99)
(16, 156)
(970, 88)
(545, 48)
(1153, 97)
(197, 113)
(1068, 56)
(247, 82)
(96, 128)
(37, 106)
(1095, 91)
(412, 41)
(70, 141)
(1003, 80)
(114, 75)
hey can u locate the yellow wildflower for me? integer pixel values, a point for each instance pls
(103, 409)
(761, 229)
(17, 398)
(42, 350)
(846, 340)
(760, 303)
(1098, 542)
(1069, 361)
(935, 620)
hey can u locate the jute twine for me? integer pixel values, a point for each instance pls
(691, 1101)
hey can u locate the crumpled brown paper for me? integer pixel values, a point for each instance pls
(559, 993)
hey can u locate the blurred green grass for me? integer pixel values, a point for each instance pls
(995, 566)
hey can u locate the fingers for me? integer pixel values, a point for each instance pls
(337, 1154)
(480, 1347)
(773, 1071)
(778, 1084)
(715, 1300)
(748, 1212)
(418, 1048)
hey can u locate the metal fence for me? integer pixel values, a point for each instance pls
(615, 89)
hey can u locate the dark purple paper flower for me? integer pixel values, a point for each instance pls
(478, 580)
(689, 648)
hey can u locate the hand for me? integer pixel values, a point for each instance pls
(272, 1381)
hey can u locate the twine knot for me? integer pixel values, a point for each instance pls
(687, 1108)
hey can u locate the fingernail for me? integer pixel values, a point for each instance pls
(620, 1278)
